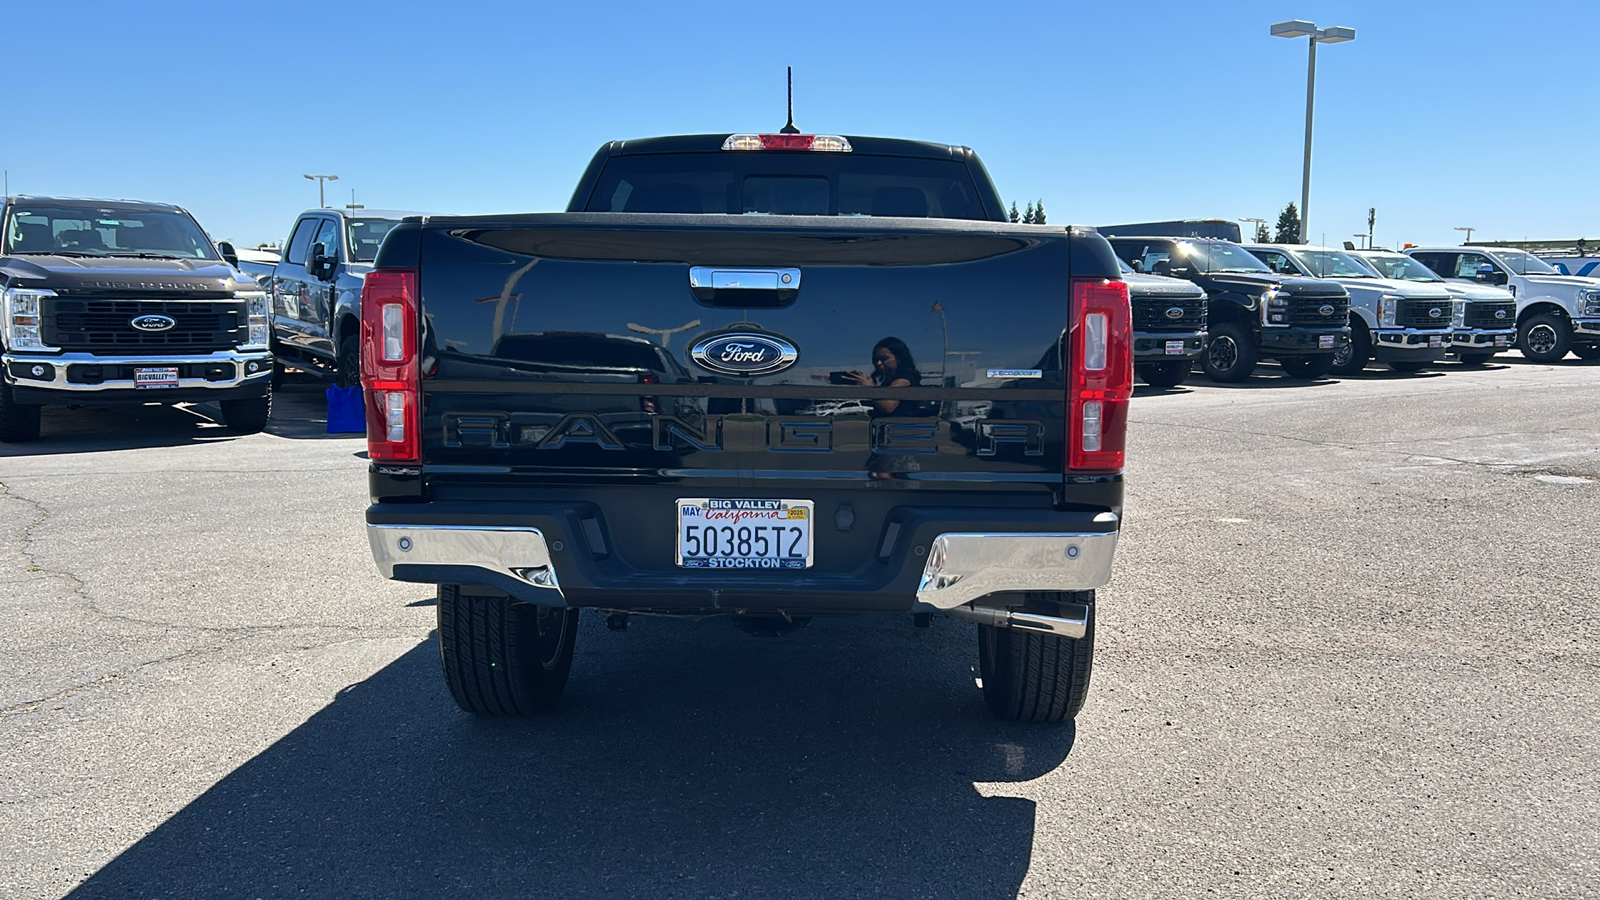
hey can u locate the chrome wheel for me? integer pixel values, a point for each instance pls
(1343, 355)
(1541, 338)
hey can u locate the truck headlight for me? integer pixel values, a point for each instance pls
(1388, 308)
(260, 330)
(1274, 307)
(24, 318)
(1589, 299)
(1458, 316)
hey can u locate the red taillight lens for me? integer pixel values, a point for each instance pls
(389, 370)
(832, 143)
(650, 404)
(1101, 380)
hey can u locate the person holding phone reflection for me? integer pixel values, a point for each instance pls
(892, 366)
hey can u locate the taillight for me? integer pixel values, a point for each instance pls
(390, 373)
(1101, 380)
(831, 143)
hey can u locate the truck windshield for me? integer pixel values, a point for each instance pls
(87, 231)
(1400, 267)
(787, 184)
(366, 236)
(1331, 264)
(1219, 256)
(1525, 263)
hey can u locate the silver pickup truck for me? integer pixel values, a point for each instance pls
(315, 289)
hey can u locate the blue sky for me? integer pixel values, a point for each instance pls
(1439, 114)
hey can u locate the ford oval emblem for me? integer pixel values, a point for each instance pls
(153, 323)
(1175, 312)
(744, 353)
(1499, 314)
(1325, 310)
(1436, 312)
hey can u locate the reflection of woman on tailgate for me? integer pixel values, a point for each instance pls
(892, 366)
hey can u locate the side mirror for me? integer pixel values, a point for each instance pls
(228, 253)
(1162, 267)
(1137, 266)
(1489, 275)
(318, 263)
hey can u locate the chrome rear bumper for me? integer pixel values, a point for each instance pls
(962, 568)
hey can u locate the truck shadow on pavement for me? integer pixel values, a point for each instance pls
(686, 760)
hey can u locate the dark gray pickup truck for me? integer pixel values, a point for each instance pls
(727, 383)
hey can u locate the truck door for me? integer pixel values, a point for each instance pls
(317, 311)
(290, 286)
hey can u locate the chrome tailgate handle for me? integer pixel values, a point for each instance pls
(743, 288)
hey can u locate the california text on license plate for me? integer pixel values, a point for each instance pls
(714, 533)
(165, 377)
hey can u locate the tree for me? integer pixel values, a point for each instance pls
(1014, 215)
(1289, 226)
(1263, 236)
(1028, 216)
(1038, 213)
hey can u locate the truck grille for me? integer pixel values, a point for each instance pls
(106, 325)
(1482, 315)
(1420, 314)
(1151, 313)
(1304, 310)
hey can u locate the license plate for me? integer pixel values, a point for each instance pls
(1325, 342)
(715, 533)
(165, 377)
(1435, 340)
(1500, 340)
(1174, 348)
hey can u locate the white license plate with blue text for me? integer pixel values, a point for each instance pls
(716, 533)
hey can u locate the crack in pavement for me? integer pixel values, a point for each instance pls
(66, 692)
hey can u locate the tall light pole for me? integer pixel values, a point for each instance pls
(1257, 223)
(1469, 230)
(1297, 28)
(321, 181)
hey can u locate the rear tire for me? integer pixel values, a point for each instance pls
(1307, 367)
(1166, 373)
(1033, 677)
(1545, 338)
(1475, 359)
(18, 421)
(248, 416)
(348, 363)
(502, 657)
(1352, 360)
(1230, 355)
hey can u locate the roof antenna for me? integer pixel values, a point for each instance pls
(789, 128)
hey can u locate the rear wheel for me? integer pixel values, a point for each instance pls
(18, 421)
(248, 416)
(502, 657)
(1475, 359)
(349, 362)
(1309, 367)
(1587, 351)
(1033, 677)
(1166, 373)
(1230, 354)
(1545, 338)
(1352, 358)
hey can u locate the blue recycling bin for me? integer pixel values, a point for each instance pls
(347, 412)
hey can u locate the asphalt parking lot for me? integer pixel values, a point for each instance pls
(1350, 649)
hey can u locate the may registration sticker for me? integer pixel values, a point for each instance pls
(717, 533)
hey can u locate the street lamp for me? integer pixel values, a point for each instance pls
(1297, 28)
(321, 180)
(1254, 232)
(1469, 229)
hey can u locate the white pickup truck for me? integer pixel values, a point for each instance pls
(1555, 313)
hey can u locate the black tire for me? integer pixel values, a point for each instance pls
(1545, 338)
(503, 658)
(247, 416)
(1589, 352)
(348, 363)
(1307, 367)
(1230, 354)
(18, 421)
(1410, 368)
(1166, 373)
(1033, 677)
(1352, 358)
(1475, 359)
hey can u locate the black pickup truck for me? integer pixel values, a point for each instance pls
(726, 383)
(123, 301)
